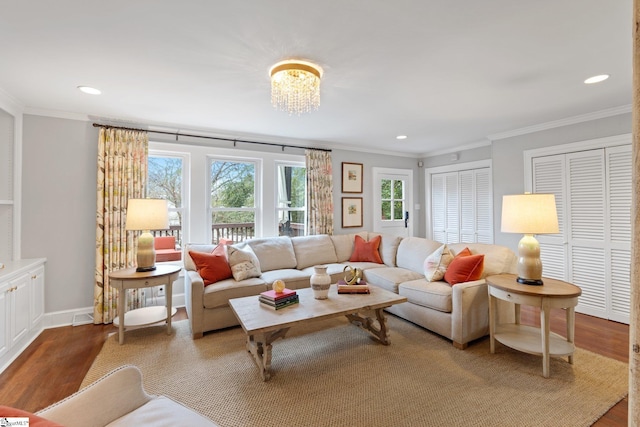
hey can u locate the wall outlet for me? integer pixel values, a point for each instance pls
(160, 291)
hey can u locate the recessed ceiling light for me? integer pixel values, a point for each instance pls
(596, 79)
(401, 137)
(89, 90)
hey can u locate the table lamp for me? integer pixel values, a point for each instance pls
(529, 214)
(146, 215)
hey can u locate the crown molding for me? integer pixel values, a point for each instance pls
(470, 146)
(562, 122)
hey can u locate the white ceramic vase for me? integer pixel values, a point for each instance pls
(320, 282)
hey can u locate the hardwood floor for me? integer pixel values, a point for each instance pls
(55, 364)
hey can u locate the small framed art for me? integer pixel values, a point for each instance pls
(351, 212)
(351, 177)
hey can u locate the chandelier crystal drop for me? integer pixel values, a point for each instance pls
(295, 86)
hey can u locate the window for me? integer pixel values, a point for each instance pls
(165, 181)
(392, 199)
(233, 200)
(291, 200)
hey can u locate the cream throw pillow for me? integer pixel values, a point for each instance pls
(244, 262)
(436, 264)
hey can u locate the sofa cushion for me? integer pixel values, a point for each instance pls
(313, 250)
(364, 251)
(244, 263)
(293, 279)
(497, 259)
(464, 269)
(162, 411)
(219, 293)
(212, 267)
(436, 264)
(343, 244)
(274, 253)
(435, 295)
(34, 420)
(412, 252)
(389, 277)
(388, 247)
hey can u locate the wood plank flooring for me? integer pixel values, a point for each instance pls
(55, 364)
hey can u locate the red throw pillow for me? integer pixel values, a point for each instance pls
(465, 252)
(464, 269)
(364, 251)
(212, 267)
(34, 420)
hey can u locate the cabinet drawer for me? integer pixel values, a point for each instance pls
(535, 301)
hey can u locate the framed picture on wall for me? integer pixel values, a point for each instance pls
(351, 177)
(351, 212)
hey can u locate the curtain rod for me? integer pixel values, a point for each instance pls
(234, 140)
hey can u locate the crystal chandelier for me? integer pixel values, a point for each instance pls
(295, 86)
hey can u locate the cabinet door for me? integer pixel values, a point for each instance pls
(37, 296)
(4, 317)
(19, 312)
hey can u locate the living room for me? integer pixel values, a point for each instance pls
(56, 160)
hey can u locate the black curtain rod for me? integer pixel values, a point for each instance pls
(234, 140)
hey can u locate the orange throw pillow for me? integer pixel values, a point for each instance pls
(366, 251)
(212, 267)
(465, 252)
(464, 269)
(34, 420)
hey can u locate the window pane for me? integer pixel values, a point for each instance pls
(232, 184)
(397, 190)
(291, 223)
(386, 210)
(397, 210)
(237, 226)
(385, 189)
(165, 180)
(292, 184)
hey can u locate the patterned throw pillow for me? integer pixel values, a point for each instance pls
(244, 263)
(436, 264)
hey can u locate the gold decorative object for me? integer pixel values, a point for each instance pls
(352, 276)
(278, 286)
(295, 86)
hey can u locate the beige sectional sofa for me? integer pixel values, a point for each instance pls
(459, 312)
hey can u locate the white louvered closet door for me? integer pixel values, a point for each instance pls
(476, 206)
(619, 190)
(593, 248)
(586, 210)
(462, 206)
(549, 178)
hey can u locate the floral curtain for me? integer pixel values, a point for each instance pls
(319, 192)
(122, 174)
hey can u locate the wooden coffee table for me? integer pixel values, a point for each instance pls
(264, 325)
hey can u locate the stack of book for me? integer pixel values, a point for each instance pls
(278, 300)
(360, 288)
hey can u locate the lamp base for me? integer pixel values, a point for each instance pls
(530, 282)
(143, 269)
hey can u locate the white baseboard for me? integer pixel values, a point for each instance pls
(83, 316)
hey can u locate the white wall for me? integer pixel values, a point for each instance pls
(59, 206)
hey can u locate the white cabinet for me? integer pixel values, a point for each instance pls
(22, 305)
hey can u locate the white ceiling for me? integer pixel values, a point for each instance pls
(446, 73)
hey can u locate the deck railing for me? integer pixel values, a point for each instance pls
(236, 233)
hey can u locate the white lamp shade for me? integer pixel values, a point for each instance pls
(147, 214)
(529, 214)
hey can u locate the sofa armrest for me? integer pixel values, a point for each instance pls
(194, 301)
(118, 393)
(470, 314)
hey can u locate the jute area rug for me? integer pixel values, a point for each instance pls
(331, 373)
